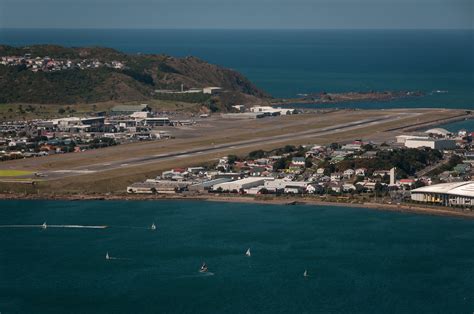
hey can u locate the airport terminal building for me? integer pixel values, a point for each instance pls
(446, 194)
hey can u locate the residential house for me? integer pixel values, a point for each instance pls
(349, 173)
(360, 172)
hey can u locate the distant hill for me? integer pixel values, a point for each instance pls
(137, 80)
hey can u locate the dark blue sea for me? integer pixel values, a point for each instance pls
(288, 62)
(358, 260)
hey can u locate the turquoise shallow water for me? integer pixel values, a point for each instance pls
(360, 260)
(288, 62)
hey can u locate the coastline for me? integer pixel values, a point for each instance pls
(272, 200)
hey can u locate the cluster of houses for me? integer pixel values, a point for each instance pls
(47, 64)
(304, 171)
(259, 176)
(123, 124)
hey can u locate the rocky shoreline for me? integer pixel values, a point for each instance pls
(290, 201)
(330, 98)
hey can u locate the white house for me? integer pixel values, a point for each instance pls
(348, 187)
(348, 173)
(212, 90)
(310, 189)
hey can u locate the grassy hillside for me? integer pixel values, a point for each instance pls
(142, 75)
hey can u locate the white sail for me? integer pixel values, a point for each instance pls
(44, 225)
(153, 226)
(248, 252)
(107, 255)
(305, 274)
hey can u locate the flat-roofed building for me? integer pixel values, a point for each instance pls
(403, 138)
(431, 143)
(447, 194)
(245, 183)
(160, 121)
(207, 185)
(212, 90)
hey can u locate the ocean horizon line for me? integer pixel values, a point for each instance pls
(233, 29)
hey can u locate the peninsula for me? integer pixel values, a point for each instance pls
(82, 123)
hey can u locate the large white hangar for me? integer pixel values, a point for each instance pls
(447, 194)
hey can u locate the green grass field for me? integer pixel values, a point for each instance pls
(14, 173)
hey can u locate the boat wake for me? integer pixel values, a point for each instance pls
(129, 227)
(43, 226)
(118, 258)
(207, 274)
(108, 258)
(438, 92)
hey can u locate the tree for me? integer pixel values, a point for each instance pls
(279, 164)
(257, 154)
(61, 111)
(368, 147)
(231, 159)
(308, 163)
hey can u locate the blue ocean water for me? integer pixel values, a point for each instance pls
(359, 260)
(288, 62)
(467, 125)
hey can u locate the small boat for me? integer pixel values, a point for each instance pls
(248, 253)
(203, 268)
(305, 274)
(44, 225)
(153, 226)
(107, 256)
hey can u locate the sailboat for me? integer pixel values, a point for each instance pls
(44, 225)
(248, 253)
(203, 268)
(153, 226)
(107, 256)
(305, 274)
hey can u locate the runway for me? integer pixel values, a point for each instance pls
(93, 169)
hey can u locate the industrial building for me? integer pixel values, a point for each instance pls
(245, 183)
(159, 121)
(272, 111)
(446, 194)
(401, 139)
(432, 143)
(282, 184)
(207, 185)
